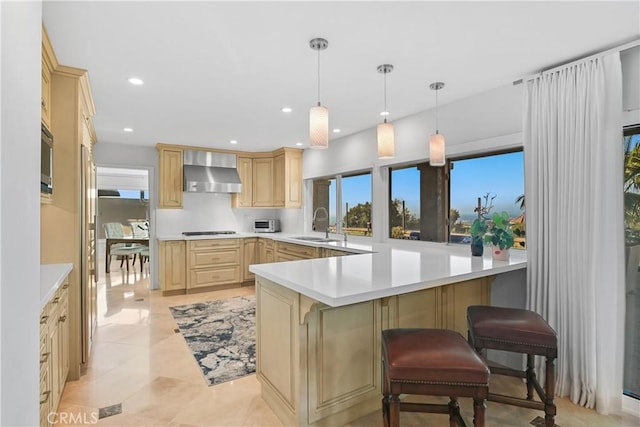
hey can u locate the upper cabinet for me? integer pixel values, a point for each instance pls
(245, 170)
(287, 178)
(49, 63)
(262, 182)
(170, 177)
(270, 180)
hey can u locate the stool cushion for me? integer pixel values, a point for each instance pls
(510, 325)
(432, 355)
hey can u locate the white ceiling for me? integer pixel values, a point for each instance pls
(217, 71)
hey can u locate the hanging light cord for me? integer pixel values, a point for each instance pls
(385, 97)
(437, 111)
(318, 77)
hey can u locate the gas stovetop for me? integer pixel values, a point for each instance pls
(206, 233)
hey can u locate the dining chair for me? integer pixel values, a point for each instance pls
(114, 230)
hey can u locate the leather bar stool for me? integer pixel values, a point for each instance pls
(433, 362)
(519, 331)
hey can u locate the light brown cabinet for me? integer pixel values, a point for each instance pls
(49, 62)
(171, 161)
(250, 252)
(287, 178)
(67, 229)
(286, 251)
(172, 255)
(262, 187)
(54, 352)
(245, 171)
(213, 263)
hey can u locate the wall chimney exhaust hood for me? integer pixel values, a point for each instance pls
(209, 172)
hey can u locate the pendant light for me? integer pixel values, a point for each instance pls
(386, 139)
(319, 115)
(436, 141)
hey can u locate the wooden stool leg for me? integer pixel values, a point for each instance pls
(385, 398)
(479, 407)
(530, 376)
(454, 412)
(394, 411)
(549, 406)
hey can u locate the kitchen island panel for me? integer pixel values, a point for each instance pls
(321, 365)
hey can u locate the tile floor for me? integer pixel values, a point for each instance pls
(142, 371)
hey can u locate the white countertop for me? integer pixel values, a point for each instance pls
(392, 269)
(51, 277)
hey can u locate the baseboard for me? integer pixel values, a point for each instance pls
(631, 406)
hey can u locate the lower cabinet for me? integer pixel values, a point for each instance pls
(286, 251)
(54, 352)
(250, 252)
(173, 276)
(213, 263)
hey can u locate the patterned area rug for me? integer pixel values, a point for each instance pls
(221, 335)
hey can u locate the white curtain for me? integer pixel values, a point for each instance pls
(573, 187)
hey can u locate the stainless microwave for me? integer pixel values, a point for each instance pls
(46, 161)
(266, 225)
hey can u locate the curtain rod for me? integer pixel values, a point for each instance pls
(620, 48)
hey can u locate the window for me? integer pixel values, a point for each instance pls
(420, 189)
(631, 382)
(497, 180)
(347, 201)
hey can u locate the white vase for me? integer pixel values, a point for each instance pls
(500, 254)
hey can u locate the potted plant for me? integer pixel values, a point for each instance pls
(478, 230)
(479, 225)
(500, 235)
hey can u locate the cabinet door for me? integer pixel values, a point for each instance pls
(263, 182)
(45, 100)
(170, 179)
(278, 180)
(250, 257)
(54, 362)
(63, 345)
(455, 298)
(293, 180)
(172, 265)
(245, 170)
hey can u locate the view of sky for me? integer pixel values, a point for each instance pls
(502, 175)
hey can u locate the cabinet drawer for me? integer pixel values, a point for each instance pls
(196, 245)
(300, 251)
(221, 258)
(214, 276)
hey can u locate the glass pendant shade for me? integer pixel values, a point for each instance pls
(386, 139)
(436, 150)
(319, 127)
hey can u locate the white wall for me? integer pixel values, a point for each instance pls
(20, 76)
(630, 60)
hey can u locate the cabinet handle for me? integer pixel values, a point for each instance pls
(65, 286)
(45, 357)
(62, 318)
(43, 319)
(56, 300)
(43, 103)
(46, 399)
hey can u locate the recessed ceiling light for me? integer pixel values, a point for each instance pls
(127, 130)
(299, 144)
(384, 113)
(136, 81)
(336, 130)
(286, 109)
(233, 141)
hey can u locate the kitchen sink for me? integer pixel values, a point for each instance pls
(315, 239)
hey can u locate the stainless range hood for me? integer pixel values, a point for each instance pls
(209, 172)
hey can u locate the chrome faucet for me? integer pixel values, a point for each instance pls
(344, 232)
(326, 218)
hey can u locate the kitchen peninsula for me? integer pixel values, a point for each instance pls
(319, 321)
